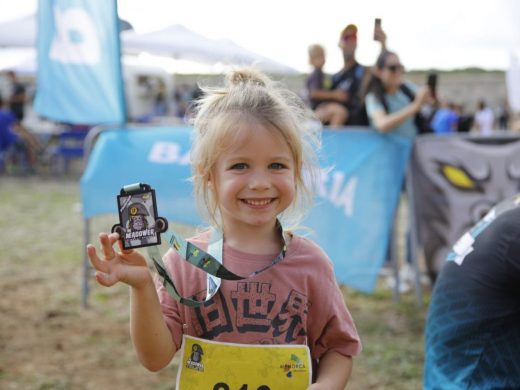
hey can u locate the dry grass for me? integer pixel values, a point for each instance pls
(48, 341)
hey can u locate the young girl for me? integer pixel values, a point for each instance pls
(252, 145)
(389, 109)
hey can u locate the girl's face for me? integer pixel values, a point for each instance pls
(254, 180)
(392, 73)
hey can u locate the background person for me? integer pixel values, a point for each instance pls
(16, 142)
(392, 108)
(318, 85)
(18, 96)
(465, 122)
(445, 120)
(484, 119)
(472, 337)
(251, 146)
(503, 115)
(389, 105)
(348, 85)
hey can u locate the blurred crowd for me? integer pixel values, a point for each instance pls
(475, 299)
(380, 96)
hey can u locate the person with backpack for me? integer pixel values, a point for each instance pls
(393, 104)
(346, 90)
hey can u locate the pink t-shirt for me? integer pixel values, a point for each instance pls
(296, 301)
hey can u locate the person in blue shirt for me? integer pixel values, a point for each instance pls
(7, 137)
(445, 120)
(392, 105)
(472, 338)
(15, 139)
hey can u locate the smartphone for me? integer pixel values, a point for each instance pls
(377, 25)
(431, 82)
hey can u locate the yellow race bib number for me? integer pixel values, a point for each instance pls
(227, 366)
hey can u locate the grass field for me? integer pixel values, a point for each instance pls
(48, 341)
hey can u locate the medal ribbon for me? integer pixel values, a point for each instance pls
(209, 262)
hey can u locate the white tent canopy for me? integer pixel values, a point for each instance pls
(175, 41)
(182, 43)
(19, 32)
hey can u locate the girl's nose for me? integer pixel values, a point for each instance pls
(259, 181)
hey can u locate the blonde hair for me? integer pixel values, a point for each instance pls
(220, 112)
(316, 50)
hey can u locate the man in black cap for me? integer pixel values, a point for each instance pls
(348, 83)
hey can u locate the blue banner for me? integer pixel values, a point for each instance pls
(354, 207)
(79, 69)
(354, 210)
(158, 156)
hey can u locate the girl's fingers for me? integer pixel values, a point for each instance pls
(105, 279)
(123, 251)
(113, 237)
(107, 248)
(96, 262)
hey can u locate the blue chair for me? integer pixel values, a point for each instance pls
(2, 162)
(70, 147)
(14, 160)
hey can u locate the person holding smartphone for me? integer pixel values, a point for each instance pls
(392, 105)
(391, 102)
(348, 83)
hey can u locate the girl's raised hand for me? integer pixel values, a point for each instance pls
(127, 266)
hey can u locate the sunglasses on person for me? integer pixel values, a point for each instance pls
(395, 68)
(348, 37)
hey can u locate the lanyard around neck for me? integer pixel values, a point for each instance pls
(208, 261)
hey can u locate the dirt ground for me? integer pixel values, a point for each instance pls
(49, 341)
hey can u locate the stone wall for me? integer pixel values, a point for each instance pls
(467, 88)
(464, 87)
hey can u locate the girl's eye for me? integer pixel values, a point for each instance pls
(277, 166)
(239, 166)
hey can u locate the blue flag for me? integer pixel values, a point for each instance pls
(79, 68)
(354, 208)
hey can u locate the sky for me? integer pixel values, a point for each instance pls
(442, 34)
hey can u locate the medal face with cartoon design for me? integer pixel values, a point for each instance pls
(139, 224)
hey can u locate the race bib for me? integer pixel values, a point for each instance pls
(214, 365)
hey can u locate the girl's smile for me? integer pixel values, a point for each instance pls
(254, 181)
(258, 203)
